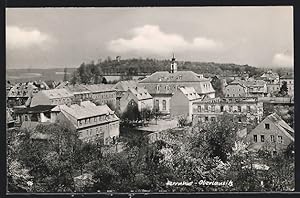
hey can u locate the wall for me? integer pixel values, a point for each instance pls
(179, 105)
(160, 100)
(235, 90)
(268, 145)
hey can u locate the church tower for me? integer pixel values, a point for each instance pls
(173, 65)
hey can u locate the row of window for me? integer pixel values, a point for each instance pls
(98, 118)
(96, 131)
(222, 109)
(60, 100)
(272, 138)
(164, 104)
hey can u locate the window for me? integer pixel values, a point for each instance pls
(262, 138)
(267, 126)
(248, 108)
(213, 119)
(199, 108)
(239, 109)
(206, 118)
(222, 108)
(233, 95)
(213, 108)
(95, 119)
(280, 140)
(157, 87)
(164, 104)
(255, 138)
(272, 138)
(206, 108)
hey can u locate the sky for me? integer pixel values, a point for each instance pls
(66, 37)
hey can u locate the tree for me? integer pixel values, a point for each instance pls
(220, 135)
(283, 89)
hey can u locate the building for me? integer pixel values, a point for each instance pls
(272, 134)
(139, 96)
(103, 94)
(273, 89)
(122, 87)
(289, 79)
(235, 89)
(270, 77)
(244, 88)
(182, 100)
(52, 97)
(80, 91)
(163, 84)
(20, 93)
(10, 122)
(246, 109)
(93, 123)
(38, 113)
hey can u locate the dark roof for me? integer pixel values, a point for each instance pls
(35, 109)
(288, 76)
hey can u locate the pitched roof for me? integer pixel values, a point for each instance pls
(249, 83)
(288, 76)
(85, 110)
(140, 93)
(57, 93)
(190, 93)
(179, 76)
(22, 90)
(282, 125)
(35, 109)
(99, 87)
(125, 85)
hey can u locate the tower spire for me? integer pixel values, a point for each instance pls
(173, 64)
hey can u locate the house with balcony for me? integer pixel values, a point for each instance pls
(246, 109)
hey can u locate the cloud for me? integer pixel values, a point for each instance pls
(20, 38)
(150, 39)
(282, 59)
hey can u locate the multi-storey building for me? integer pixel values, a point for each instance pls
(247, 109)
(182, 100)
(93, 123)
(163, 84)
(52, 97)
(272, 134)
(103, 94)
(243, 88)
(139, 96)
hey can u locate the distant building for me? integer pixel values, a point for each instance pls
(121, 88)
(182, 100)
(272, 134)
(289, 79)
(163, 84)
(270, 77)
(243, 88)
(20, 93)
(139, 96)
(93, 123)
(247, 109)
(103, 94)
(273, 88)
(52, 97)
